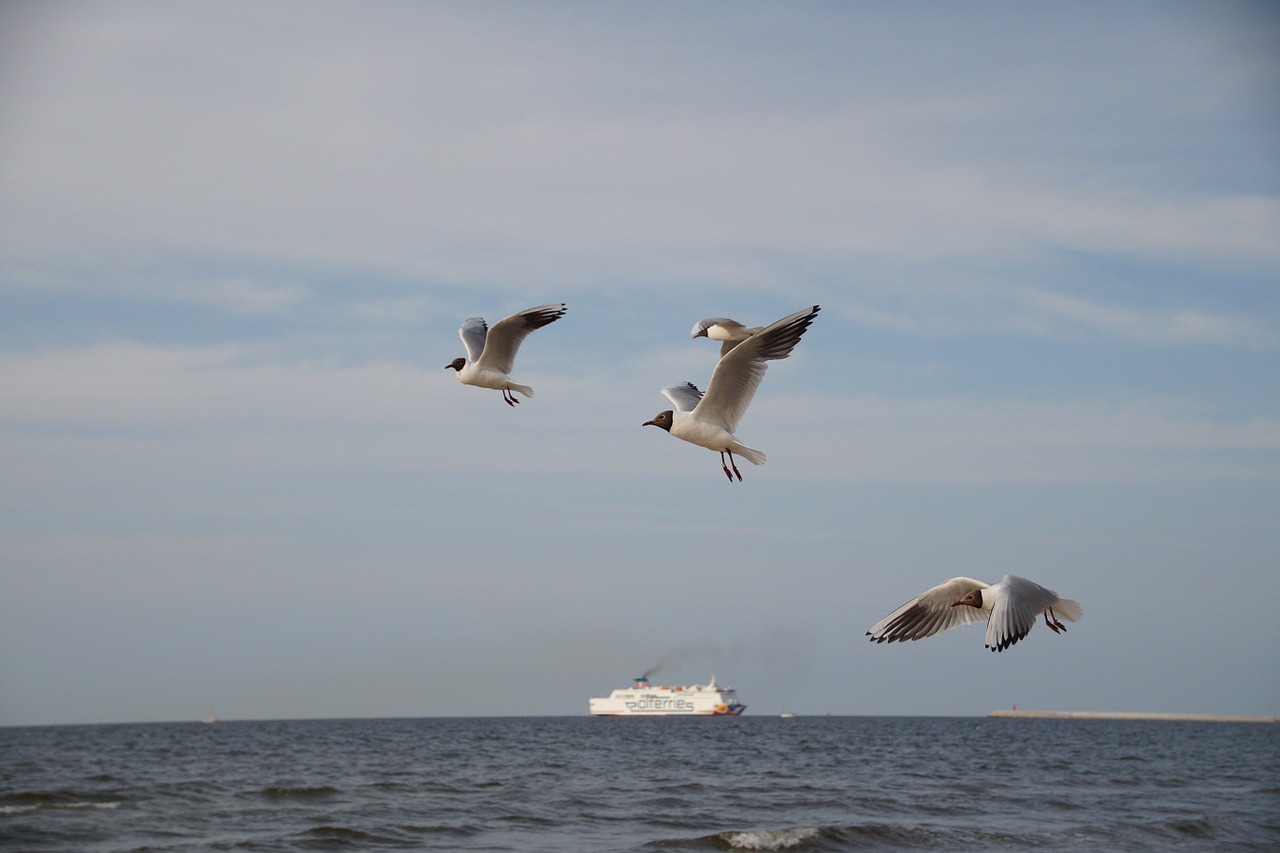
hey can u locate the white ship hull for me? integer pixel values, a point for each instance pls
(645, 700)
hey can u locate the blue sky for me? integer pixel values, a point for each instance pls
(236, 243)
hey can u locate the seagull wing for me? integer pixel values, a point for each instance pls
(473, 331)
(739, 371)
(505, 337)
(929, 613)
(1019, 602)
(683, 396)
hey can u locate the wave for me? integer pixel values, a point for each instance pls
(805, 838)
(11, 809)
(769, 839)
(5, 810)
(301, 792)
(26, 801)
(331, 836)
(875, 836)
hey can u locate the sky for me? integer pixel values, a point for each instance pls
(237, 241)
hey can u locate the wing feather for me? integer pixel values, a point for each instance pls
(504, 339)
(1018, 604)
(473, 332)
(684, 396)
(929, 613)
(739, 371)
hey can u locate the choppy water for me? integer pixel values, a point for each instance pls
(584, 784)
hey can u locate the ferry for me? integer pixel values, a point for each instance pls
(642, 699)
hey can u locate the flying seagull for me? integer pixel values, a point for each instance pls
(1010, 609)
(491, 353)
(731, 332)
(709, 420)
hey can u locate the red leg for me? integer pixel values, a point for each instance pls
(725, 467)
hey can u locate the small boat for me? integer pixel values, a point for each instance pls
(212, 718)
(787, 715)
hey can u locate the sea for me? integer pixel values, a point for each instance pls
(673, 784)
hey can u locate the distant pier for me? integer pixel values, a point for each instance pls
(1130, 715)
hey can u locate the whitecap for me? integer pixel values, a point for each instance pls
(108, 805)
(17, 809)
(769, 839)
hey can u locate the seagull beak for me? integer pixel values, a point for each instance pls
(955, 604)
(648, 423)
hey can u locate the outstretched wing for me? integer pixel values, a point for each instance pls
(929, 613)
(683, 396)
(1015, 612)
(739, 371)
(473, 331)
(505, 337)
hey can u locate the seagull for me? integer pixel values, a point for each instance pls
(1010, 608)
(731, 332)
(491, 353)
(710, 420)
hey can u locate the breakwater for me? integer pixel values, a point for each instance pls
(1132, 715)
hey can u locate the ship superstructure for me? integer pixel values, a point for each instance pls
(642, 699)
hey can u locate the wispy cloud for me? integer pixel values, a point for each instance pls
(973, 440)
(296, 414)
(562, 180)
(241, 295)
(1059, 313)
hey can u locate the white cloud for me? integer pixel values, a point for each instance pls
(374, 152)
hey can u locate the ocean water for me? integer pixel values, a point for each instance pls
(586, 784)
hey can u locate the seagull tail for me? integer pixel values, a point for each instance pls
(755, 457)
(523, 389)
(1068, 609)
